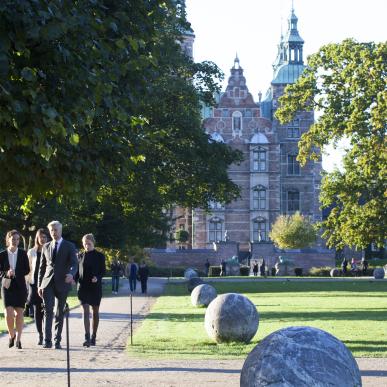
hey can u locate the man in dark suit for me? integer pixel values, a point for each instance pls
(58, 265)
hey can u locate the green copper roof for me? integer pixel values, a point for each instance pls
(288, 73)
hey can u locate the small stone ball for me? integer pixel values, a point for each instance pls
(202, 295)
(379, 273)
(190, 273)
(231, 317)
(193, 282)
(335, 272)
(300, 356)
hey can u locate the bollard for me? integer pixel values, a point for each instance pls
(66, 313)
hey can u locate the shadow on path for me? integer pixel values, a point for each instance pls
(147, 369)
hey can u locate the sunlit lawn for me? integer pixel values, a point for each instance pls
(355, 312)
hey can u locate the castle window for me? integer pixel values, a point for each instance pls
(225, 113)
(293, 129)
(293, 165)
(259, 198)
(293, 200)
(237, 121)
(259, 230)
(216, 205)
(248, 113)
(259, 160)
(215, 230)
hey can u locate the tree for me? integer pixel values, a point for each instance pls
(346, 84)
(293, 232)
(100, 116)
(181, 236)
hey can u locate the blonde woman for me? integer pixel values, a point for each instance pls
(14, 266)
(91, 269)
(34, 299)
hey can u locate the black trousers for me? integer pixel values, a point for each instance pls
(52, 297)
(144, 285)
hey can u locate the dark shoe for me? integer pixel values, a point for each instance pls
(11, 342)
(47, 344)
(92, 340)
(57, 345)
(40, 341)
(18, 345)
(86, 343)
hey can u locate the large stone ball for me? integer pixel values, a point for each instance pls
(334, 272)
(193, 282)
(190, 273)
(300, 356)
(202, 295)
(379, 273)
(231, 317)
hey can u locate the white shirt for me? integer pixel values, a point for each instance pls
(58, 244)
(12, 259)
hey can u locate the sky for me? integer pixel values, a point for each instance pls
(252, 29)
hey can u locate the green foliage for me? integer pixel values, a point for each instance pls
(214, 271)
(292, 232)
(346, 83)
(320, 271)
(100, 122)
(245, 271)
(181, 236)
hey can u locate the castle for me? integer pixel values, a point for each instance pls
(271, 179)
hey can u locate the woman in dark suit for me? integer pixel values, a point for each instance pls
(14, 266)
(90, 272)
(34, 299)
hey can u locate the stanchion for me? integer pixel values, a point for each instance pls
(131, 319)
(66, 313)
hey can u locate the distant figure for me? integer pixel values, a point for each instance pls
(226, 237)
(207, 267)
(131, 274)
(364, 266)
(143, 274)
(255, 268)
(116, 269)
(344, 265)
(354, 269)
(262, 268)
(223, 268)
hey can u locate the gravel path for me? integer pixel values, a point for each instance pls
(108, 364)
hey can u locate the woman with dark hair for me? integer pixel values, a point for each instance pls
(90, 272)
(34, 299)
(14, 266)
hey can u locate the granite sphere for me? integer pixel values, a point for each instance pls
(193, 282)
(202, 295)
(302, 357)
(379, 273)
(231, 317)
(190, 273)
(334, 272)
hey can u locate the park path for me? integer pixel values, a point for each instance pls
(108, 363)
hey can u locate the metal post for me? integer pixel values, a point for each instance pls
(67, 312)
(131, 319)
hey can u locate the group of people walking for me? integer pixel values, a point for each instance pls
(49, 269)
(133, 273)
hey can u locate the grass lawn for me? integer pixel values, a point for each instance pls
(355, 312)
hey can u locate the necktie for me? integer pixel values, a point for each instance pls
(54, 252)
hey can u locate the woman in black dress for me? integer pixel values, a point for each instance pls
(14, 266)
(33, 296)
(90, 272)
